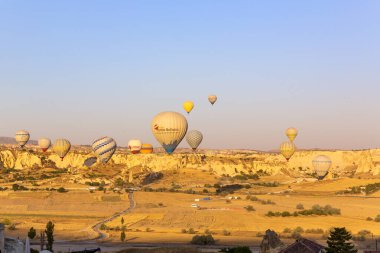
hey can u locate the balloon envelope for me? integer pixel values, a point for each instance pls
(146, 149)
(188, 106)
(22, 137)
(291, 133)
(104, 148)
(169, 129)
(61, 147)
(44, 144)
(287, 149)
(212, 99)
(194, 139)
(321, 164)
(134, 146)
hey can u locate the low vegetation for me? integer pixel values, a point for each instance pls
(315, 210)
(362, 189)
(203, 240)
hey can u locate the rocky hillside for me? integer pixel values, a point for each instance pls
(345, 163)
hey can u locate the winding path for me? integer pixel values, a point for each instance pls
(97, 226)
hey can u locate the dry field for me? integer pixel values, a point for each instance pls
(161, 216)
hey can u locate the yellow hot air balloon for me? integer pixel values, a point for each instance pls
(287, 149)
(169, 129)
(134, 146)
(61, 147)
(212, 99)
(44, 144)
(188, 106)
(146, 149)
(321, 165)
(22, 137)
(291, 133)
(104, 148)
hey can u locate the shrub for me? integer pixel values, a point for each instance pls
(12, 227)
(369, 219)
(314, 231)
(377, 218)
(250, 208)
(184, 231)
(191, 231)
(62, 190)
(226, 233)
(300, 207)
(203, 240)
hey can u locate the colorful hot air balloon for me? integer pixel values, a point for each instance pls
(212, 99)
(61, 147)
(169, 128)
(194, 139)
(291, 133)
(146, 149)
(44, 144)
(22, 137)
(287, 150)
(188, 106)
(134, 146)
(104, 148)
(321, 165)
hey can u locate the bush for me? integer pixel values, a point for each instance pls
(203, 240)
(369, 219)
(32, 233)
(62, 190)
(377, 218)
(287, 230)
(184, 231)
(314, 231)
(191, 231)
(300, 207)
(12, 227)
(250, 208)
(226, 233)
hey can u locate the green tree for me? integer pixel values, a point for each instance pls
(122, 236)
(339, 241)
(32, 233)
(49, 231)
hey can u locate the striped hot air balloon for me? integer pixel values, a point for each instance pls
(134, 146)
(44, 144)
(194, 139)
(321, 165)
(61, 147)
(22, 137)
(287, 149)
(169, 129)
(212, 99)
(146, 149)
(104, 148)
(291, 133)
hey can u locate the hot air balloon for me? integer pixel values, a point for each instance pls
(188, 106)
(291, 133)
(194, 139)
(22, 137)
(61, 147)
(104, 148)
(321, 165)
(287, 150)
(212, 99)
(44, 144)
(146, 149)
(134, 146)
(169, 128)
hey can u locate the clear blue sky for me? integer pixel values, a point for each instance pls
(84, 69)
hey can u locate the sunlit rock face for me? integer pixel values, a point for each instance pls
(224, 162)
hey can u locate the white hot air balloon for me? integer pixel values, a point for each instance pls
(104, 148)
(212, 99)
(61, 147)
(169, 129)
(287, 149)
(44, 144)
(321, 165)
(134, 146)
(194, 139)
(22, 137)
